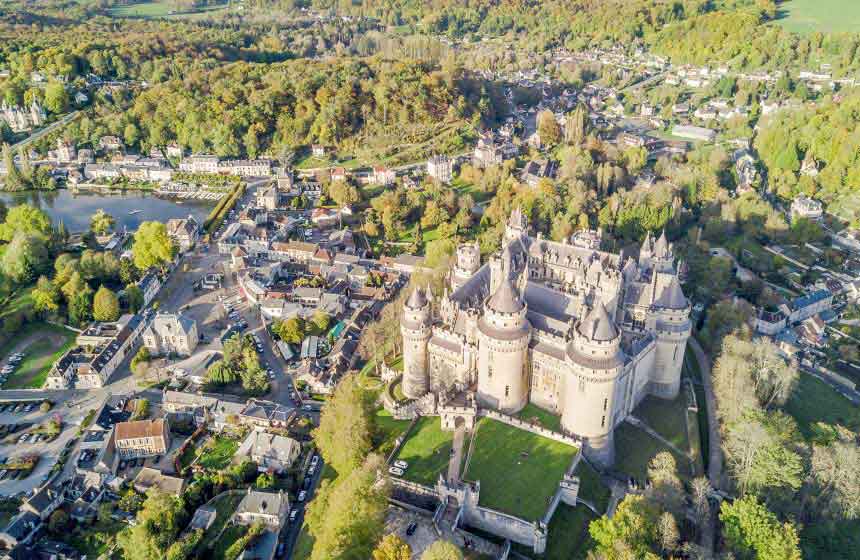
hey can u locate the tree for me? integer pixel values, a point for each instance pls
(392, 547)
(26, 219)
(221, 373)
(442, 550)
(753, 531)
(548, 128)
(321, 320)
(13, 181)
(133, 298)
(105, 305)
(158, 524)
(141, 409)
(265, 480)
(80, 307)
(835, 470)
(45, 296)
(56, 97)
(344, 194)
(667, 528)
(347, 517)
(25, 257)
(128, 273)
(184, 547)
(292, 330)
(346, 412)
(633, 530)
(101, 222)
(152, 246)
(575, 126)
(58, 521)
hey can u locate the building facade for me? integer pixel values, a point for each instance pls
(141, 438)
(581, 333)
(170, 333)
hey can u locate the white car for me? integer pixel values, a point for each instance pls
(400, 464)
(302, 496)
(395, 471)
(315, 459)
(293, 515)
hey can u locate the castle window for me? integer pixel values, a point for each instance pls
(675, 355)
(507, 390)
(490, 370)
(605, 403)
(581, 385)
(603, 421)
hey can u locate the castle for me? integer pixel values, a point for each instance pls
(23, 119)
(578, 332)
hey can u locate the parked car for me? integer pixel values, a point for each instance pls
(293, 515)
(410, 530)
(395, 471)
(400, 464)
(302, 495)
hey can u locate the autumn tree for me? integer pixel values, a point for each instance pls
(392, 547)
(347, 411)
(105, 305)
(752, 531)
(101, 222)
(152, 246)
(548, 128)
(442, 550)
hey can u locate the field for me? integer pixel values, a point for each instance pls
(590, 486)
(815, 401)
(536, 415)
(826, 16)
(387, 429)
(42, 345)
(634, 449)
(519, 471)
(667, 418)
(161, 9)
(427, 451)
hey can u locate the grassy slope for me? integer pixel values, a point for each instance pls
(219, 456)
(427, 451)
(40, 355)
(808, 16)
(532, 413)
(814, 401)
(635, 448)
(512, 481)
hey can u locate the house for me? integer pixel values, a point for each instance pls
(44, 502)
(382, 176)
(493, 149)
(804, 207)
(20, 530)
(295, 251)
(174, 151)
(271, 452)
(324, 217)
(199, 163)
(110, 144)
(170, 333)
(536, 170)
(440, 168)
(142, 438)
(338, 174)
(149, 478)
(267, 197)
(267, 507)
(203, 518)
(149, 285)
(807, 305)
(262, 548)
(66, 151)
(184, 231)
(319, 151)
(266, 414)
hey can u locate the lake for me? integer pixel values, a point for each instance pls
(75, 209)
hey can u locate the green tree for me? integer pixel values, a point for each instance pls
(346, 412)
(321, 320)
(548, 128)
(141, 409)
(631, 533)
(56, 97)
(26, 219)
(134, 298)
(347, 517)
(221, 373)
(392, 547)
(264, 481)
(152, 246)
(184, 547)
(105, 305)
(442, 550)
(58, 521)
(752, 531)
(45, 296)
(158, 524)
(25, 257)
(13, 181)
(292, 330)
(101, 222)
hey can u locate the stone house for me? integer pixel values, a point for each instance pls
(141, 438)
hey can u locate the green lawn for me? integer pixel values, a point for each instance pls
(224, 505)
(815, 401)
(161, 9)
(667, 418)
(568, 537)
(40, 354)
(536, 415)
(519, 471)
(386, 431)
(427, 451)
(826, 16)
(19, 301)
(634, 449)
(590, 487)
(218, 452)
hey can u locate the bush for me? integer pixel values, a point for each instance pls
(45, 406)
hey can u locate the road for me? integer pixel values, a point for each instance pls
(47, 130)
(291, 534)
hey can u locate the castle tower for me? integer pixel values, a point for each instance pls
(516, 227)
(503, 341)
(663, 259)
(596, 360)
(672, 328)
(415, 329)
(468, 263)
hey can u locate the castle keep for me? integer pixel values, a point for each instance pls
(579, 332)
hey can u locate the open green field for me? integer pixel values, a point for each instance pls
(386, 430)
(427, 451)
(667, 418)
(43, 345)
(634, 449)
(218, 452)
(519, 471)
(224, 505)
(826, 16)
(161, 9)
(536, 415)
(568, 537)
(815, 401)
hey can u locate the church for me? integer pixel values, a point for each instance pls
(581, 333)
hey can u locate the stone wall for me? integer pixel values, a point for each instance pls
(506, 526)
(522, 425)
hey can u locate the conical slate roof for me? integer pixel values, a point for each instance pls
(597, 325)
(417, 300)
(506, 299)
(673, 296)
(661, 247)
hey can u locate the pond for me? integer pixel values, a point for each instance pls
(130, 208)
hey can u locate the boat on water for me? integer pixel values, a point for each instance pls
(133, 212)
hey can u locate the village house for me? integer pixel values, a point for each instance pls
(440, 168)
(808, 208)
(271, 452)
(184, 231)
(141, 438)
(267, 507)
(266, 414)
(382, 176)
(170, 333)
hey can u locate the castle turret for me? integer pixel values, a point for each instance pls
(663, 259)
(672, 327)
(596, 360)
(504, 334)
(468, 263)
(517, 226)
(415, 328)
